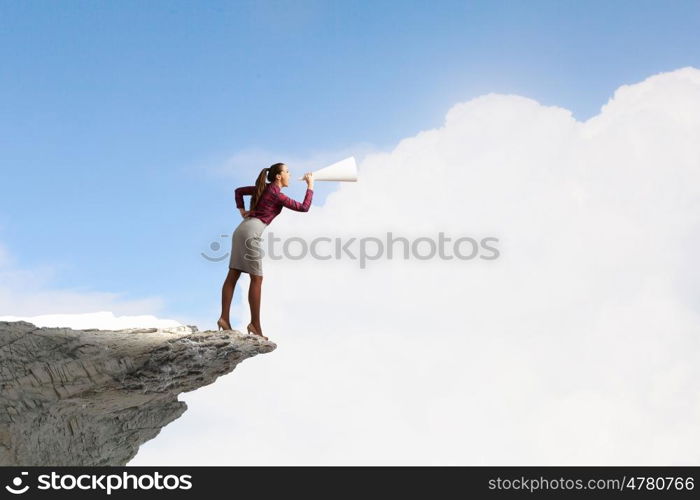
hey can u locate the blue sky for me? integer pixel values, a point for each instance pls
(113, 115)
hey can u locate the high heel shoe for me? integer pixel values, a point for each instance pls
(253, 331)
(223, 324)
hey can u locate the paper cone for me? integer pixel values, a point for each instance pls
(344, 170)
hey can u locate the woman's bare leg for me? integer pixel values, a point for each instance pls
(254, 293)
(227, 293)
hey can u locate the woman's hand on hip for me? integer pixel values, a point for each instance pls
(244, 213)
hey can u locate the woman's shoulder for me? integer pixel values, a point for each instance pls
(272, 188)
(270, 192)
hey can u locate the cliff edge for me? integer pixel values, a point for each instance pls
(92, 397)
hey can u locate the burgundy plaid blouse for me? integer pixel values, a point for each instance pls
(272, 201)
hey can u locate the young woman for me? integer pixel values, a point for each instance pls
(266, 204)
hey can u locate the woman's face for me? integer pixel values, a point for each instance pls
(284, 176)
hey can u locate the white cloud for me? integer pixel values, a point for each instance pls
(103, 320)
(28, 295)
(577, 346)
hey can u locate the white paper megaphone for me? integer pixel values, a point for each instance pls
(344, 170)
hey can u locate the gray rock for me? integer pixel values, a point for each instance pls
(92, 397)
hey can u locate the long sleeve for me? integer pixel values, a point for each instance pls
(295, 205)
(243, 191)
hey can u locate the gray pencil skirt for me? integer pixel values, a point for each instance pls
(246, 254)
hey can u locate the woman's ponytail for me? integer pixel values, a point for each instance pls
(260, 184)
(266, 174)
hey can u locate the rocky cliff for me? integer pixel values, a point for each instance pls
(92, 397)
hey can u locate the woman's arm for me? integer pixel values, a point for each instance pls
(243, 191)
(295, 205)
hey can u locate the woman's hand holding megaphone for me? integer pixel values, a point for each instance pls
(309, 178)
